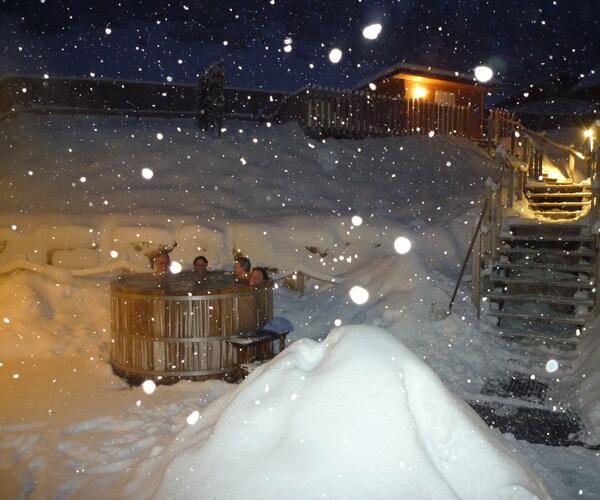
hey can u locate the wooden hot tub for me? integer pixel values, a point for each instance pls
(177, 325)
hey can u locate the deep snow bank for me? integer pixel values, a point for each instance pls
(45, 313)
(355, 416)
(76, 195)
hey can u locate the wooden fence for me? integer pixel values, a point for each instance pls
(320, 112)
(339, 113)
(99, 96)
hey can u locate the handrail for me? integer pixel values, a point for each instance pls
(486, 206)
(522, 159)
(500, 115)
(468, 255)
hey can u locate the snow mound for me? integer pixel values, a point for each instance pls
(355, 416)
(43, 315)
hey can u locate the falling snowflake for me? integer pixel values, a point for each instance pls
(359, 295)
(147, 173)
(402, 245)
(372, 31)
(335, 55)
(193, 417)
(149, 386)
(356, 220)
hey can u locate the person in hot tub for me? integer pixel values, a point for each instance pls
(201, 264)
(241, 269)
(161, 263)
(259, 276)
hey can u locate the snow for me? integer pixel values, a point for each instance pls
(361, 395)
(70, 427)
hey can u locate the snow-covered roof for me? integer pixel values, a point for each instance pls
(428, 71)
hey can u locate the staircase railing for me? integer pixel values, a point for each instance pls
(528, 146)
(520, 153)
(594, 170)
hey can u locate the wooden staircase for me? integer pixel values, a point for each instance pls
(550, 199)
(536, 265)
(541, 282)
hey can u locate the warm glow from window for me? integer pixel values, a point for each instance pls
(419, 92)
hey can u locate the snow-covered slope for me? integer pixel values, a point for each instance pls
(68, 426)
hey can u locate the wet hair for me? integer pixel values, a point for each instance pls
(263, 272)
(201, 257)
(245, 263)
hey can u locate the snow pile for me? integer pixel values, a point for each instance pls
(43, 314)
(290, 203)
(586, 386)
(355, 416)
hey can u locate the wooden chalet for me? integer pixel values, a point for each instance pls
(433, 85)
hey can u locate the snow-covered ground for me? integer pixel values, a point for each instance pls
(75, 205)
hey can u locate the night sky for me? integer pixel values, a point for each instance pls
(522, 40)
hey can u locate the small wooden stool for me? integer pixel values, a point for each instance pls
(255, 348)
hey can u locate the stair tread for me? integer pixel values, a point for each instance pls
(547, 237)
(531, 281)
(575, 268)
(565, 194)
(581, 252)
(550, 299)
(563, 213)
(558, 203)
(535, 335)
(536, 185)
(572, 320)
(537, 225)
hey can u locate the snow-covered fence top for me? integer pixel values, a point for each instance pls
(326, 112)
(102, 96)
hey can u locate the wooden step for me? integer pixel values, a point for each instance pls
(538, 282)
(576, 268)
(580, 252)
(569, 336)
(558, 214)
(539, 228)
(569, 320)
(574, 194)
(541, 299)
(570, 187)
(551, 204)
(565, 238)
